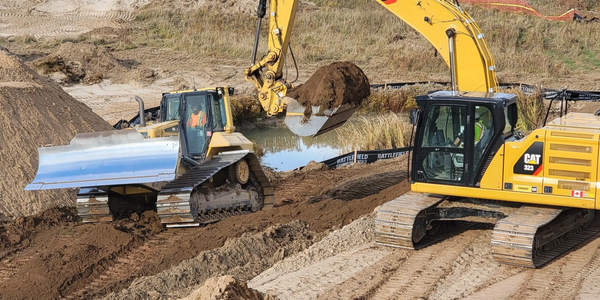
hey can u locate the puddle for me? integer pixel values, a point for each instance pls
(286, 151)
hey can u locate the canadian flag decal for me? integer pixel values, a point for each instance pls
(576, 194)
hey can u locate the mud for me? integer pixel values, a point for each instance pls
(333, 85)
(145, 225)
(34, 111)
(19, 232)
(58, 260)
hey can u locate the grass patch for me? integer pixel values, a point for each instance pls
(380, 132)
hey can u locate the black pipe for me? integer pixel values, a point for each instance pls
(261, 11)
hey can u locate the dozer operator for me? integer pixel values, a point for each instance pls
(451, 31)
(189, 166)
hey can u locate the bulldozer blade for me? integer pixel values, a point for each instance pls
(319, 122)
(107, 158)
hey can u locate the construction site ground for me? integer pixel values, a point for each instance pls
(316, 243)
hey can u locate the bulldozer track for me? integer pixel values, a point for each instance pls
(128, 264)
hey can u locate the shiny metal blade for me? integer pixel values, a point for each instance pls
(320, 121)
(107, 158)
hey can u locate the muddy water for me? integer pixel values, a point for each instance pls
(286, 151)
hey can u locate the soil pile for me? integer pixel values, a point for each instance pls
(51, 273)
(146, 224)
(34, 111)
(79, 63)
(226, 287)
(243, 257)
(22, 229)
(333, 85)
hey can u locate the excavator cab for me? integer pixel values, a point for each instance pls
(457, 133)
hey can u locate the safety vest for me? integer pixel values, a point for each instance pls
(479, 129)
(195, 120)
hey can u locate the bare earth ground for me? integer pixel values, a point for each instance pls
(317, 243)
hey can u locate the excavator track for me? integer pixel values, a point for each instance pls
(176, 205)
(533, 236)
(402, 222)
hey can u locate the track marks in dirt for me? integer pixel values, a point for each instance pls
(310, 282)
(419, 274)
(131, 262)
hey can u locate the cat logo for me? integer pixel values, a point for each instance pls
(532, 159)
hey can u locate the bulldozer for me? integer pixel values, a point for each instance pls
(189, 165)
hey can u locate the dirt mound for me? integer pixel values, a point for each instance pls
(226, 287)
(146, 224)
(34, 111)
(79, 63)
(244, 257)
(51, 270)
(333, 85)
(22, 229)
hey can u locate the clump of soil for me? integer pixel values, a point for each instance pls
(243, 257)
(146, 224)
(333, 85)
(34, 111)
(227, 287)
(314, 166)
(79, 63)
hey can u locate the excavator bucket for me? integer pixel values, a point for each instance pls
(319, 122)
(117, 157)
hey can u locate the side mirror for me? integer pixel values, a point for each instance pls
(513, 115)
(231, 91)
(414, 113)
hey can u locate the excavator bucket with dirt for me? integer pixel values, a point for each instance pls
(319, 121)
(119, 157)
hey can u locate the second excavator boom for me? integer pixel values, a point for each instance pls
(453, 33)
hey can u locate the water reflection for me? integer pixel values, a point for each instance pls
(286, 151)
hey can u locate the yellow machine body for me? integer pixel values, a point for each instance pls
(565, 171)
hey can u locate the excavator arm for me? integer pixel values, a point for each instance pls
(452, 32)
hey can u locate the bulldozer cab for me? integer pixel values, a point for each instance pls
(456, 134)
(200, 113)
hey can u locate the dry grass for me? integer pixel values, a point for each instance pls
(386, 131)
(396, 100)
(531, 110)
(245, 108)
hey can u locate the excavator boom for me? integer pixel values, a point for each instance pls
(453, 33)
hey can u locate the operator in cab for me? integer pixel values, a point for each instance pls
(195, 129)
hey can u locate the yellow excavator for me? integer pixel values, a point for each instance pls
(189, 166)
(469, 162)
(459, 41)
